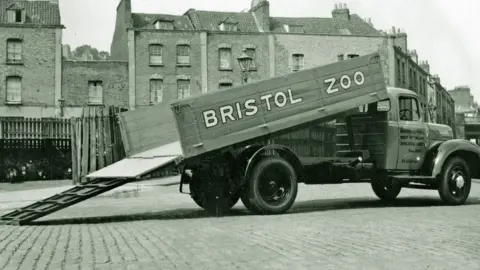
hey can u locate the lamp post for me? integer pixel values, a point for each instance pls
(244, 61)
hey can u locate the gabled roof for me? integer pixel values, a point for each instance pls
(143, 20)
(210, 20)
(36, 12)
(355, 26)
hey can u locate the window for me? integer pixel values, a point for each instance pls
(293, 28)
(340, 57)
(225, 58)
(156, 90)
(156, 54)
(408, 109)
(403, 72)
(380, 106)
(183, 54)
(232, 27)
(183, 88)
(297, 62)
(14, 51)
(95, 92)
(399, 71)
(14, 89)
(224, 85)
(16, 15)
(165, 25)
(251, 52)
(351, 56)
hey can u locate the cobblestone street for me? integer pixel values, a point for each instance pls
(330, 227)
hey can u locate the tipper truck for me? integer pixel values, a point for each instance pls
(220, 142)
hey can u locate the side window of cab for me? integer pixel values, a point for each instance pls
(408, 109)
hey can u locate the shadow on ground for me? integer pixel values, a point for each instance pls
(298, 208)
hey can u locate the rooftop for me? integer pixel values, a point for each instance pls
(39, 12)
(245, 22)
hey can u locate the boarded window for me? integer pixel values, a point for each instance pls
(156, 90)
(297, 62)
(14, 51)
(183, 88)
(156, 54)
(95, 92)
(183, 54)
(225, 58)
(14, 89)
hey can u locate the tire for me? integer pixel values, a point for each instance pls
(452, 170)
(282, 182)
(386, 190)
(204, 199)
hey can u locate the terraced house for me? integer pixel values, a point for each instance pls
(30, 58)
(174, 56)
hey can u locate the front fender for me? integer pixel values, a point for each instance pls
(469, 151)
(285, 153)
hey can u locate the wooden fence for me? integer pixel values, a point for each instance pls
(34, 128)
(96, 141)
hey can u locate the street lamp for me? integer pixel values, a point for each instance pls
(244, 61)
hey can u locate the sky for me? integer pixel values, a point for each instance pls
(444, 32)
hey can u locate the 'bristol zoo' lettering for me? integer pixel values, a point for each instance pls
(239, 110)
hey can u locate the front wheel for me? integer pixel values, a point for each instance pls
(272, 187)
(455, 181)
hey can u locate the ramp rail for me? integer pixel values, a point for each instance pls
(60, 201)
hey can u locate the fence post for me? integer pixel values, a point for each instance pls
(73, 148)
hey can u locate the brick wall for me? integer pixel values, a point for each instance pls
(237, 43)
(38, 68)
(113, 74)
(169, 71)
(320, 50)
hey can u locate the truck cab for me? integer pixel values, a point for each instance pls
(395, 133)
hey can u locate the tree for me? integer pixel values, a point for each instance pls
(87, 52)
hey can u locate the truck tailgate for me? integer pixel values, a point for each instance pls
(220, 119)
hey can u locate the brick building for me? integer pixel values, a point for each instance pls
(404, 70)
(30, 62)
(173, 56)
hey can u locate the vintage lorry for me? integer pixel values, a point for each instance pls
(220, 141)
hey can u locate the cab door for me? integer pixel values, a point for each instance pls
(412, 134)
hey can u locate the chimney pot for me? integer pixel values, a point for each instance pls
(335, 6)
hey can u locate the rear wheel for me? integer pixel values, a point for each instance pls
(272, 187)
(455, 181)
(386, 189)
(215, 196)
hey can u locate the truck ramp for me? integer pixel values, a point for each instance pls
(101, 181)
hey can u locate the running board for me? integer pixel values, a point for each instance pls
(60, 201)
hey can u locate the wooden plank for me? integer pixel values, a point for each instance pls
(123, 134)
(85, 144)
(93, 139)
(101, 139)
(73, 140)
(108, 138)
(79, 140)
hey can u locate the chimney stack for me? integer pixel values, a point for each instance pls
(341, 12)
(413, 54)
(425, 66)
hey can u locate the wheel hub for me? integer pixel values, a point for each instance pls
(459, 180)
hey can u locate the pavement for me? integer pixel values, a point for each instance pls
(329, 227)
